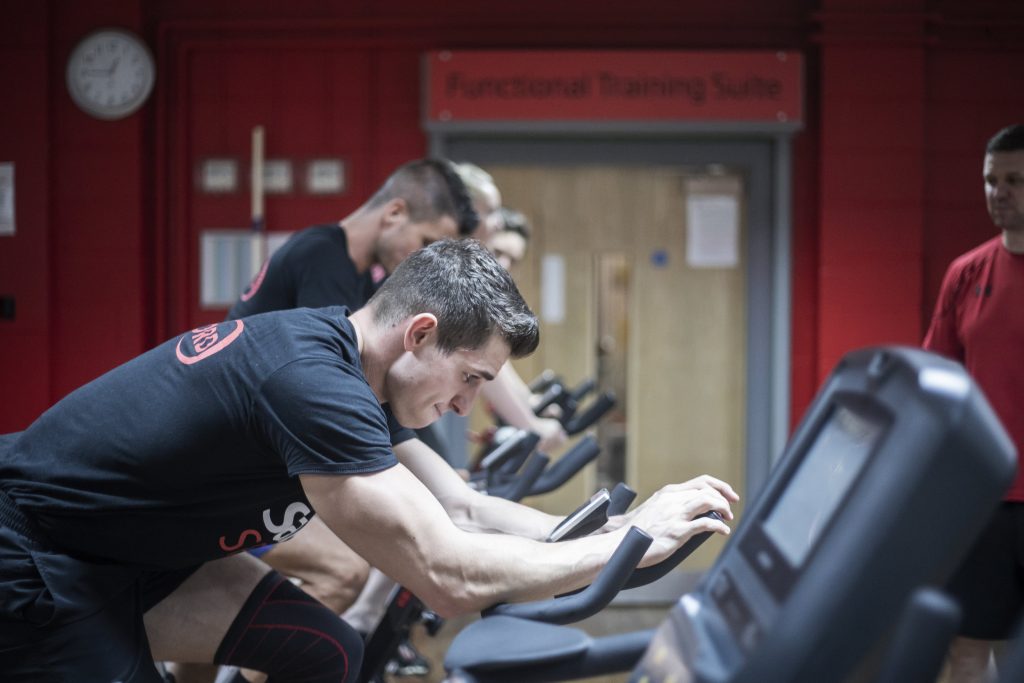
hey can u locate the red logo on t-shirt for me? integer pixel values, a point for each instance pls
(254, 286)
(203, 342)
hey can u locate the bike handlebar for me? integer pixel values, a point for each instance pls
(520, 486)
(553, 394)
(543, 381)
(521, 442)
(582, 389)
(646, 575)
(621, 498)
(566, 467)
(595, 411)
(595, 597)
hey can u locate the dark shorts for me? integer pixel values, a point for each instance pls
(989, 584)
(63, 619)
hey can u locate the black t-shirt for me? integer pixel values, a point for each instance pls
(312, 268)
(192, 450)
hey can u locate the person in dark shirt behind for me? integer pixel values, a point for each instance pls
(421, 202)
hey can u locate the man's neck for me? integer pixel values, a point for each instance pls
(372, 351)
(1013, 240)
(361, 237)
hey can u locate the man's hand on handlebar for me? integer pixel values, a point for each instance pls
(553, 411)
(670, 516)
(552, 434)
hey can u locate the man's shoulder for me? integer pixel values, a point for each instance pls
(985, 250)
(971, 262)
(321, 233)
(330, 321)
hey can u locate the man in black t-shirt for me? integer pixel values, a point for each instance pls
(421, 202)
(330, 265)
(134, 494)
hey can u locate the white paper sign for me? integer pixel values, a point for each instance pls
(325, 176)
(7, 198)
(552, 288)
(277, 176)
(712, 231)
(218, 176)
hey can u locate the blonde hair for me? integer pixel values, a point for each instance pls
(477, 181)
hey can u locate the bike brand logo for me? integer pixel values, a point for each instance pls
(203, 342)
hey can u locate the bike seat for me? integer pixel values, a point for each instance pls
(499, 642)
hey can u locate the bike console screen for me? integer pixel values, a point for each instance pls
(837, 455)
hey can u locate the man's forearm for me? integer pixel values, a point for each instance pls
(513, 569)
(468, 509)
(391, 520)
(487, 514)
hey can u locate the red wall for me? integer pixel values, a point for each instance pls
(901, 96)
(975, 87)
(99, 194)
(871, 192)
(25, 373)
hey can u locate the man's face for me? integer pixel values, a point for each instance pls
(424, 383)
(402, 237)
(488, 207)
(508, 248)
(1004, 189)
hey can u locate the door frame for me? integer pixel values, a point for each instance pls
(762, 152)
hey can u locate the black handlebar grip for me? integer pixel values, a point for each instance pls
(583, 388)
(515, 462)
(566, 467)
(542, 381)
(550, 396)
(519, 487)
(594, 412)
(521, 440)
(593, 598)
(622, 497)
(646, 575)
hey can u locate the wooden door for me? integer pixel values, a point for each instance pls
(684, 406)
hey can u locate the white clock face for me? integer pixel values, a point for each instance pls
(110, 74)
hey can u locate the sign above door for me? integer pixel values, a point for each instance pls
(477, 86)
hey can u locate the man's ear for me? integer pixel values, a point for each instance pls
(396, 212)
(420, 331)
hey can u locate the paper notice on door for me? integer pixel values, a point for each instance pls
(7, 198)
(552, 288)
(712, 231)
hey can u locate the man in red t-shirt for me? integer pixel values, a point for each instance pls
(979, 321)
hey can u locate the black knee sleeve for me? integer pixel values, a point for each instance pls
(287, 634)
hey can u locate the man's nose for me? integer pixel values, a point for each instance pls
(457, 406)
(463, 401)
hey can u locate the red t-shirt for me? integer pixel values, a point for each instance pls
(979, 321)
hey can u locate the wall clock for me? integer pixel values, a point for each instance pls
(110, 73)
